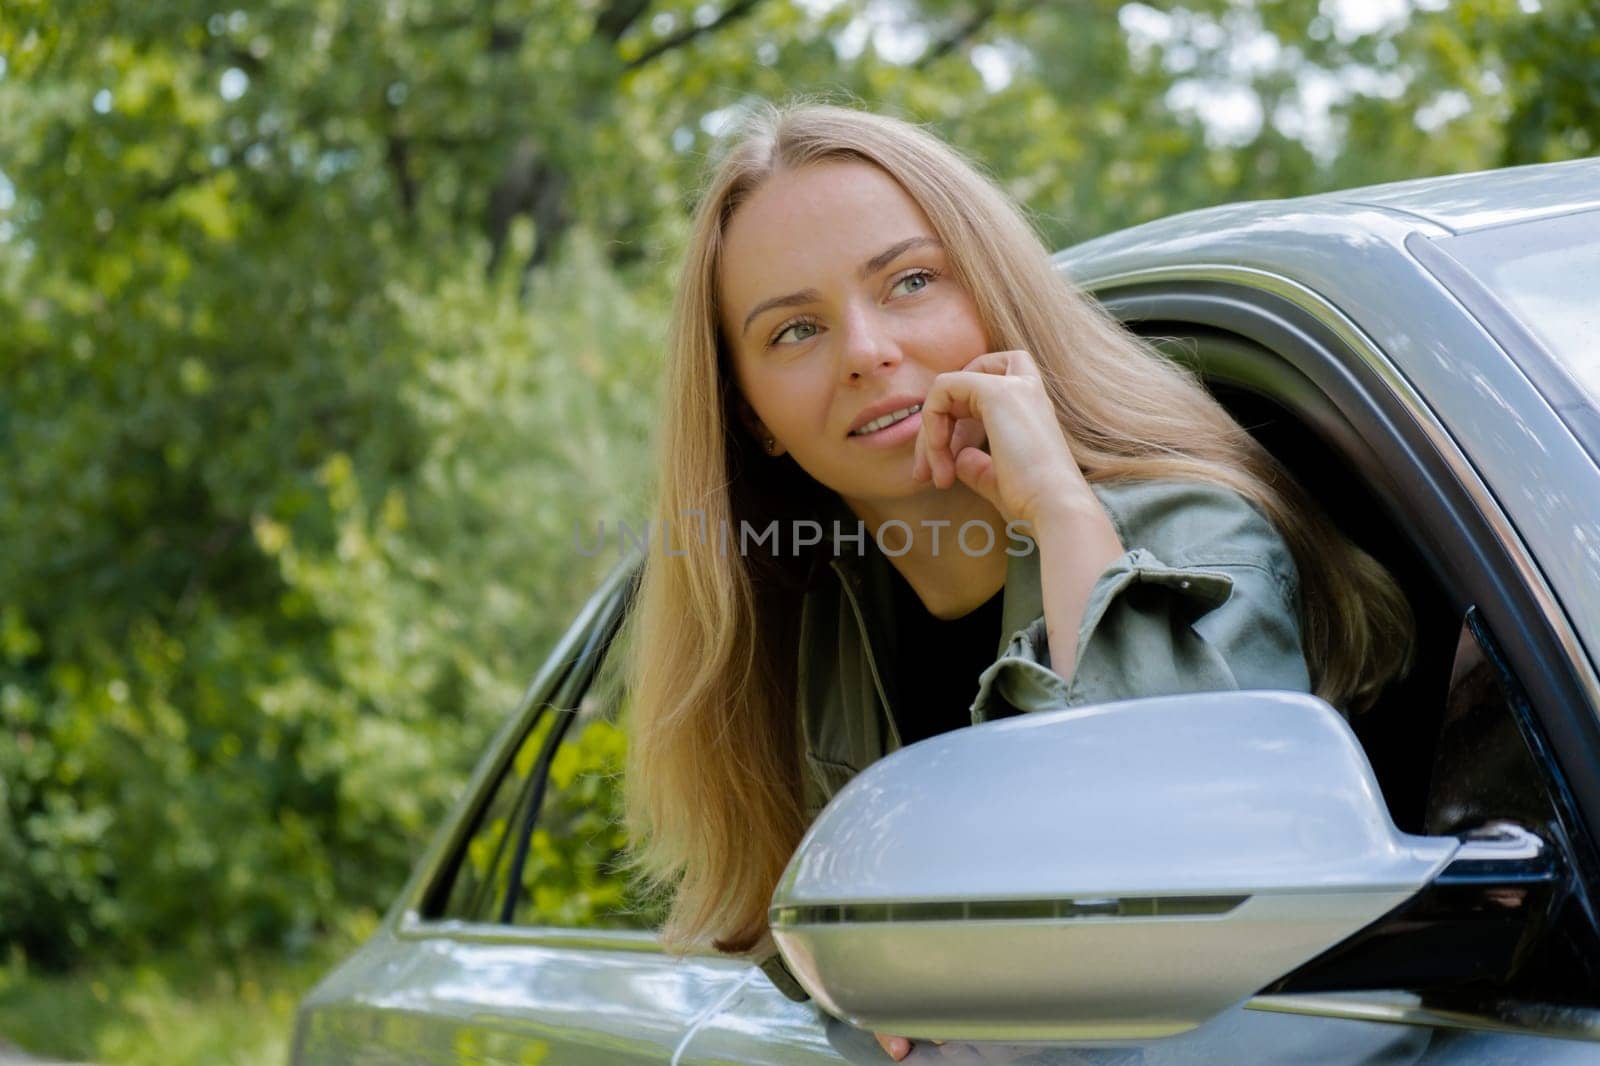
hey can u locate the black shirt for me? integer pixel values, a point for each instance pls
(937, 662)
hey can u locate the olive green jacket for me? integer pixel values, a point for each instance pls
(1205, 598)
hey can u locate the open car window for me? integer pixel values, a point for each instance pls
(1456, 744)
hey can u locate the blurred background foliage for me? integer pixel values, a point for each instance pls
(322, 321)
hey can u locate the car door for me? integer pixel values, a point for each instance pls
(1464, 741)
(520, 939)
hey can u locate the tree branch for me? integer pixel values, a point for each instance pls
(221, 539)
(448, 24)
(617, 17)
(503, 38)
(181, 177)
(512, 195)
(738, 9)
(398, 156)
(959, 36)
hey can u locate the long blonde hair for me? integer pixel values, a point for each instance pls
(713, 780)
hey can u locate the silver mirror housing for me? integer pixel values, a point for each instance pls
(1118, 872)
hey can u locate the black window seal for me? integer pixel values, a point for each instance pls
(566, 708)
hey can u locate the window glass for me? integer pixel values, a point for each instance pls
(1546, 272)
(1483, 770)
(567, 855)
(573, 874)
(480, 880)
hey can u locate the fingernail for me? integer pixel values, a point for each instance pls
(899, 1048)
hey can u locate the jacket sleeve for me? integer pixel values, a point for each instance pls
(1222, 615)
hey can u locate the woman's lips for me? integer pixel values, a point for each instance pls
(893, 436)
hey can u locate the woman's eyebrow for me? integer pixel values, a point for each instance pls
(889, 254)
(869, 268)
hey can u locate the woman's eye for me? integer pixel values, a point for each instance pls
(796, 328)
(914, 282)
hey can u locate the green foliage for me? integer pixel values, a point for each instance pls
(165, 1009)
(290, 522)
(573, 871)
(575, 875)
(322, 323)
(251, 761)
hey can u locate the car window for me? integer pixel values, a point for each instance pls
(1399, 733)
(1456, 745)
(480, 878)
(1546, 272)
(549, 848)
(573, 872)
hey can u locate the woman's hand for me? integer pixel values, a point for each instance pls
(1000, 398)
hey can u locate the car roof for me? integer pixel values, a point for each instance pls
(1437, 207)
(1463, 202)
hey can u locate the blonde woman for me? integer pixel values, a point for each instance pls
(933, 485)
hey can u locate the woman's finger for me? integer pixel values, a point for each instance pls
(969, 433)
(896, 1047)
(954, 396)
(976, 470)
(953, 419)
(1015, 363)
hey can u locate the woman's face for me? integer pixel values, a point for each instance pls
(839, 308)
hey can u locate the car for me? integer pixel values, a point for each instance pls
(1252, 879)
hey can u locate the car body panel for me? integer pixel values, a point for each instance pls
(1466, 202)
(759, 1026)
(490, 995)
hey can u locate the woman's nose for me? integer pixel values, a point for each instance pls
(869, 344)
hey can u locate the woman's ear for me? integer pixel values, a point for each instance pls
(756, 427)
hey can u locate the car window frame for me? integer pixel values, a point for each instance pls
(556, 689)
(1323, 357)
(1436, 481)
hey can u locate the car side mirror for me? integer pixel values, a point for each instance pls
(1117, 872)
